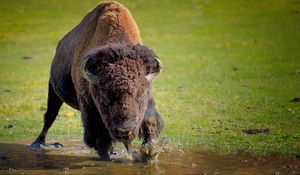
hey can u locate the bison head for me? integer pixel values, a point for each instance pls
(120, 79)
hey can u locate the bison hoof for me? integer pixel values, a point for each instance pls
(104, 156)
(149, 152)
(42, 145)
(37, 145)
(57, 145)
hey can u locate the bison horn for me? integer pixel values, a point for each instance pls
(86, 73)
(151, 76)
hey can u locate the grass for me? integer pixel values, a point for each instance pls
(228, 66)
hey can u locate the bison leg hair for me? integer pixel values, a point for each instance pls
(104, 147)
(98, 139)
(151, 127)
(152, 124)
(150, 131)
(53, 106)
(95, 133)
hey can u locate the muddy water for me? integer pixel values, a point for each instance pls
(75, 158)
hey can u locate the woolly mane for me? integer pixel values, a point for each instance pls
(112, 53)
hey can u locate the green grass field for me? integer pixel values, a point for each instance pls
(228, 66)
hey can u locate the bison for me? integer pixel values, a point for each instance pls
(102, 69)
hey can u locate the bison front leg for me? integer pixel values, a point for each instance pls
(96, 136)
(98, 140)
(150, 132)
(95, 133)
(151, 127)
(103, 147)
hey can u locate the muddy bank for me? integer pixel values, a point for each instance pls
(75, 158)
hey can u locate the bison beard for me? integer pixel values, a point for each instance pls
(102, 69)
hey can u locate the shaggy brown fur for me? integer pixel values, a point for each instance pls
(102, 69)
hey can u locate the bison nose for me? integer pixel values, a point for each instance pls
(124, 129)
(121, 133)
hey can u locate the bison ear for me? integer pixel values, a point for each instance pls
(88, 69)
(153, 69)
(150, 60)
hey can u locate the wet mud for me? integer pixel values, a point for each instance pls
(76, 158)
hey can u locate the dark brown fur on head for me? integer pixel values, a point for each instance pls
(119, 85)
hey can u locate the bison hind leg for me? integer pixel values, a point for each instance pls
(53, 105)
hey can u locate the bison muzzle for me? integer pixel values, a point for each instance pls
(102, 69)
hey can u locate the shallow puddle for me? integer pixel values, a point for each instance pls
(75, 158)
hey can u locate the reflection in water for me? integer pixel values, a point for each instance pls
(75, 158)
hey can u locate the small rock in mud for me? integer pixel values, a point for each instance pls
(194, 165)
(65, 169)
(256, 131)
(11, 171)
(244, 161)
(9, 126)
(276, 173)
